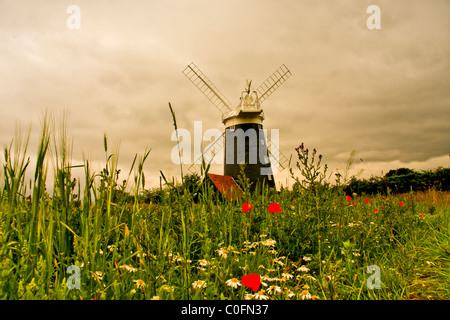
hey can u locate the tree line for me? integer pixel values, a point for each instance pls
(402, 180)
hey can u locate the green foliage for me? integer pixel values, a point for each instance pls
(141, 244)
(402, 180)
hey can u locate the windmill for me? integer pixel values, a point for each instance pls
(245, 141)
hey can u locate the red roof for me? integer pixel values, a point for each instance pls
(226, 185)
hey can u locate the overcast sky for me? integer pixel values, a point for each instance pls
(383, 92)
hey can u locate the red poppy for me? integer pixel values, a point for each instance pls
(366, 200)
(354, 204)
(274, 207)
(375, 211)
(349, 199)
(251, 281)
(246, 207)
(400, 204)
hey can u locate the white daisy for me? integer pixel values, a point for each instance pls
(234, 283)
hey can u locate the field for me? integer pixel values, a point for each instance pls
(186, 242)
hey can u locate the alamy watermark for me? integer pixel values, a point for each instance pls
(374, 20)
(374, 281)
(251, 144)
(74, 281)
(74, 20)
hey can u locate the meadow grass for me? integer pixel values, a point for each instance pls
(187, 246)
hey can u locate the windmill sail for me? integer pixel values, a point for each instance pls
(207, 154)
(207, 88)
(283, 161)
(275, 80)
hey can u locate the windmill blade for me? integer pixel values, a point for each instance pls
(218, 144)
(283, 161)
(207, 88)
(275, 80)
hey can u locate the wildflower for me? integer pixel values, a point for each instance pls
(248, 296)
(139, 283)
(248, 244)
(269, 279)
(199, 284)
(274, 207)
(287, 275)
(375, 211)
(366, 200)
(268, 243)
(303, 269)
(306, 259)
(234, 283)
(167, 288)
(400, 204)
(290, 293)
(98, 275)
(133, 291)
(274, 289)
(222, 252)
(305, 295)
(349, 199)
(100, 251)
(251, 281)
(311, 277)
(203, 262)
(354, 204)
(245, 268)
(246, 207)
(129, 268)
(260, 295)
(155, 298)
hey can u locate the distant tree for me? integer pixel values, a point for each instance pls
(399, 172)
(191, 182)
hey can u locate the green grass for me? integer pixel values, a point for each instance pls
(318, 247)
